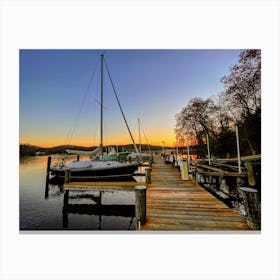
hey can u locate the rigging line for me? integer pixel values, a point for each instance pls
(135, 147)
(75, 121)
(145, 135)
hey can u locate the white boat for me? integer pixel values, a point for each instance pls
(96, 168)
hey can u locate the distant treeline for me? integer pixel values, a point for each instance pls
(31, 150)
(238, 105)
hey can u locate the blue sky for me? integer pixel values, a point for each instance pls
(58, 100)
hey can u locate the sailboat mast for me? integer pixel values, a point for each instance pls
(101, 105)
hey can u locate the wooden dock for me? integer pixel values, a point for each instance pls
(173, 204)
(177, 205)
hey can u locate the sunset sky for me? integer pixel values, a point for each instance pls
(60, 93)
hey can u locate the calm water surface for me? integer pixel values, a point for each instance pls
(44, 211)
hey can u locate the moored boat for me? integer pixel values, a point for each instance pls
(94, 170)
(99, 167)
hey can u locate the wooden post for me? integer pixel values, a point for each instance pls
(252, 207)
(78, 157)
(100, 198)
(196, 177)
(66, 198)
(48, 168)
(67, 176)
(250, 173)
(184, 170)
(64, 211)
(140, 204)
(65, 217)
(48, 177)
(148, 175)
(208, 149)
(238, 149)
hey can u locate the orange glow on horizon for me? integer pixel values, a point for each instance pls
(155, 137)
(48, 143)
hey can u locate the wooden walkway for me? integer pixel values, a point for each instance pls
(176, 205)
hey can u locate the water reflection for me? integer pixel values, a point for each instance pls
(95, 208)
(43, 207)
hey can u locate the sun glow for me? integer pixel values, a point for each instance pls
(169, 141)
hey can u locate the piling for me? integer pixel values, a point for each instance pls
(238, 149)
(48, 177)
(66, 198)
(78, 157)
(140, 204)
(252, 207)
(250, 174)
(67, 176)
(65, 218)
(48, 168)
(148, 175)
(100, 198)
(184, 170)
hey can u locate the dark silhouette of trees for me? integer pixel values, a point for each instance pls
(239, 104)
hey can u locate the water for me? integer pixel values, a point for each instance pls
(44, 211)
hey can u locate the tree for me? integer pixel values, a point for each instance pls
(196, 120)
(243, 85)
(239, 104)
(242, 97)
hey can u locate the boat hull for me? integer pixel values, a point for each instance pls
(88, 174)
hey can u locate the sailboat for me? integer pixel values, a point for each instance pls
(112, 154)
(97, 169)
(139, 156)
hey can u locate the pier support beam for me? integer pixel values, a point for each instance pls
(140, 204)
(252, 207)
